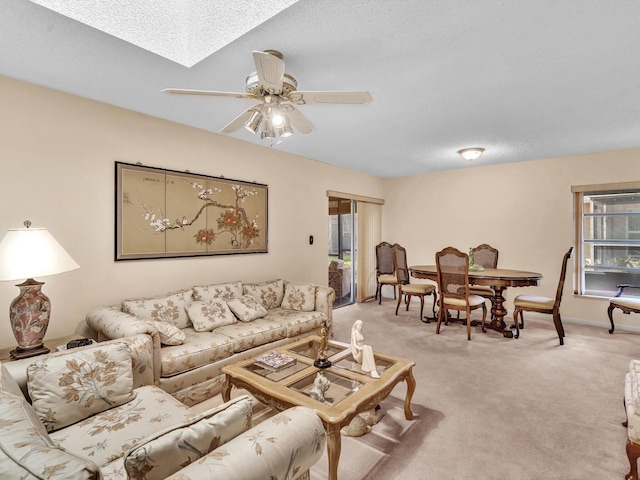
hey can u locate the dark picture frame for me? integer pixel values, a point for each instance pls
(163, 213)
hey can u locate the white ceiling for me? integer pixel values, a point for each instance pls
(524, 79)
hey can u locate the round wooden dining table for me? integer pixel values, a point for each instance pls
(496, 278)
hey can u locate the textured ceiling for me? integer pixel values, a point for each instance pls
(526, 80)
(183, 31)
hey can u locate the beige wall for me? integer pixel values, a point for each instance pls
(57, 153)
(523, 209)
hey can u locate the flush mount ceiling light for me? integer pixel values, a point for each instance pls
(471, 153)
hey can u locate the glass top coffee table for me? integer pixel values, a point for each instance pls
(352, 391)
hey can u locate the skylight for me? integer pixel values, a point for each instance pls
(184, 31)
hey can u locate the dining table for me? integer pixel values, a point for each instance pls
(499, 279)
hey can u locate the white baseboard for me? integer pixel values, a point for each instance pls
(605, 325)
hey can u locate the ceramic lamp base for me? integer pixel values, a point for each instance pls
(19, 353)
(29, 316)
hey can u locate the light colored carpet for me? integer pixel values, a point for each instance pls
(492, 407)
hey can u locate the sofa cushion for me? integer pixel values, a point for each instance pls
(269, 293)
(220, 290)
(166, 451)
(246, 335)
(68, 388)
(167, 308)
(169, 333)
(198, 349)
(299, 296)
(296, 322)
(246, 308)
(107, 436)
(27, 451)
(207, 316)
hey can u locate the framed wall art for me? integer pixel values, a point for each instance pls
(164, 213)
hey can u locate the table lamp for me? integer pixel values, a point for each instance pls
(27, 253)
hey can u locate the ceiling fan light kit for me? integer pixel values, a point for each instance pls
(276, 114)
(471, 153)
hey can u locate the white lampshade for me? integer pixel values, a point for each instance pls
(32, 252)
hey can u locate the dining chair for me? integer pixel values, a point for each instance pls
(406, 289)
(486, 256)
(452, 267)
(550, 306)
(385, 269)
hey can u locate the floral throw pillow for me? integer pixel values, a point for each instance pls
(68, 388)
(169, 334)
(246, 308)
(299, 296)
(226, 291)
(169, 308)
(207, 316)
(269, 294)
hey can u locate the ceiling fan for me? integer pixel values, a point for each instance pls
(276, 113)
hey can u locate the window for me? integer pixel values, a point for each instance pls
(607, 219)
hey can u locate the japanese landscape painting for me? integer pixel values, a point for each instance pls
(164, 213)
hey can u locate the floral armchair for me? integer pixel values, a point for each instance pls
(93, 412)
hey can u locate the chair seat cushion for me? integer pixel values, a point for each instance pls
(418, 289)
(481, 290)
(627, 302)
(474, 301)
(110, 434)
(387, 279)
(533, 301)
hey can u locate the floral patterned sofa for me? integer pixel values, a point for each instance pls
(199, 330)
(93, 412)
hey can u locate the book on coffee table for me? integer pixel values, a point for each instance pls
(275, 361)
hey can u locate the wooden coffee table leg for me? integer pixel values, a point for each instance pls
(226, 389)
(411, 387)
(334, 445)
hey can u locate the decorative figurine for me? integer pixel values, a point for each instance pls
(320, 386)
(360, 424)
(322, 361)
(363, 354)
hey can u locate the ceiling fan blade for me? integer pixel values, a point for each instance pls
(299, 121)
(238, 122)
(313, 98)
(270, 70)
(186, 91)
